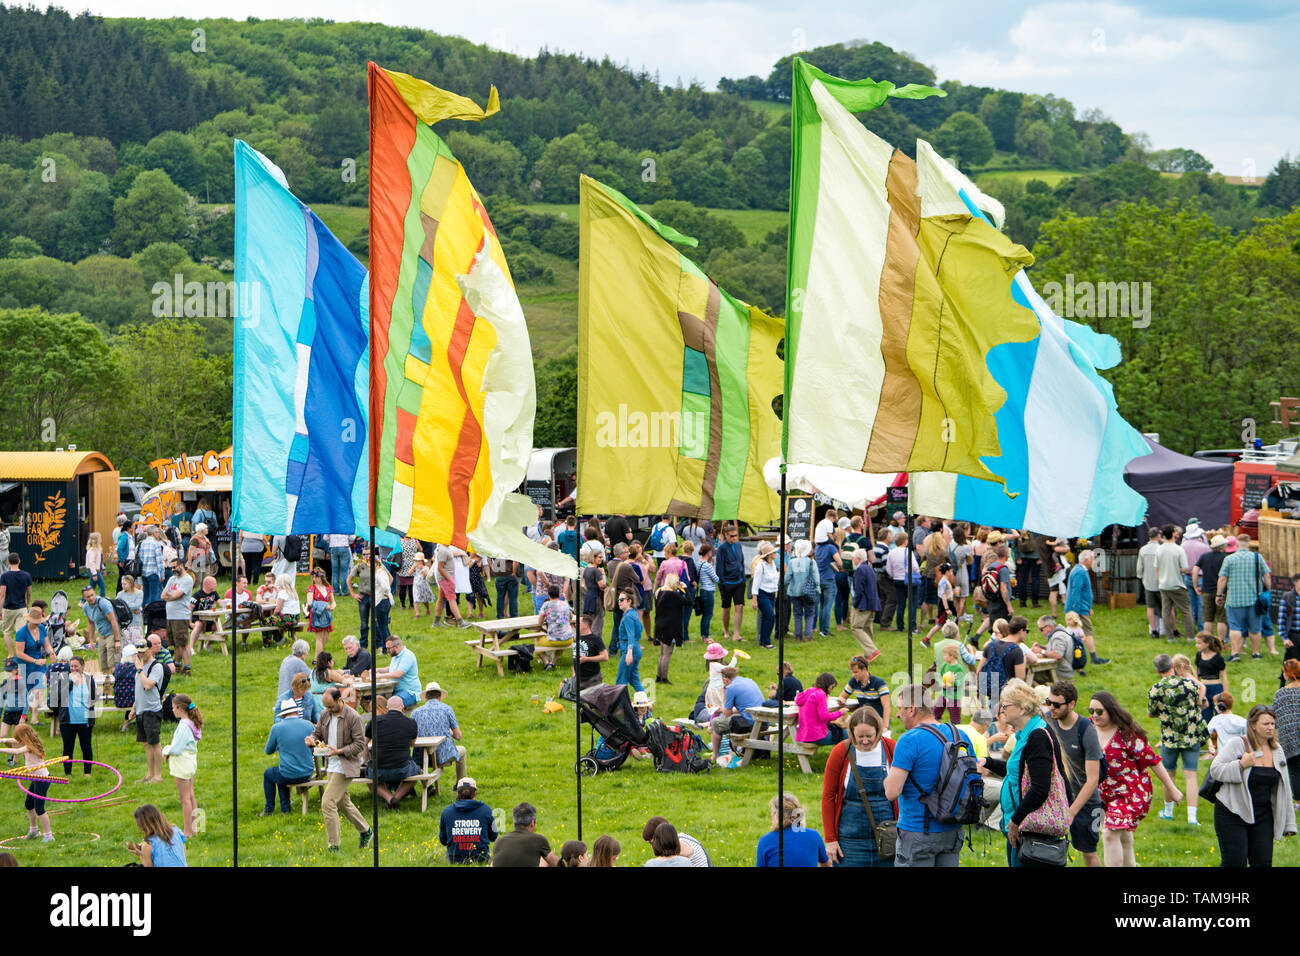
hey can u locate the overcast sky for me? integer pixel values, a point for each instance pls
(1220, 78)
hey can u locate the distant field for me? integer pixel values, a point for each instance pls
(1049, 176)
(346, 222)
(772, 108)
(754, 223)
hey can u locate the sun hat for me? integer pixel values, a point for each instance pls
(765, 548)
(433, 685)
(65, 653)
(994, 537)
(640, 699)
(1218, 541)
(288, 708)
(128, 650)
(715, 652)
(1193, 529)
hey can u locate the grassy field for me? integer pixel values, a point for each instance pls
(518, 753)
(94, 834)
(1049, 176)
(755, 224)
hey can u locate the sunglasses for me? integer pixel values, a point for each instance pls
(1055, 703)
(1096, 711)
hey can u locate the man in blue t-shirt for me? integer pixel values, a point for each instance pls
(922, 840)
(467, 828)
(288, 738)
(740, 693)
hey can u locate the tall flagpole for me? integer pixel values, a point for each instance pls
(374, 693)
(236, 555)
(908, 613)
(780, 682)
(577, 686)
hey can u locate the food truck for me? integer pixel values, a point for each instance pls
(50, 502)
(182, 482)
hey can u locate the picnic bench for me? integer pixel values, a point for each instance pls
(768, 722)
(1041, 671)
(426, 779)
(494, 633)
(223, 627)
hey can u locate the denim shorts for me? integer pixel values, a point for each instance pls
(1169, 757)
(1244, 620)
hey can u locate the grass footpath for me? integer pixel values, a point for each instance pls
(95, 833)
(518, 753)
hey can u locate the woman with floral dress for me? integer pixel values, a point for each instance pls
(406, 572)
(320, 619)
(1126, 789)
(421, 589)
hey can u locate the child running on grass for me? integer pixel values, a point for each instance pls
(28, 744)
(182, 756)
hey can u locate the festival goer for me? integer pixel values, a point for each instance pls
(506, 572)
(1286, 707)
(164, 843)
(294, 664)
(177, 593)
(1027, 774)
(73, 698)
(765, 579)
(870, 690)
(826, 553)
(435, 718)
(524, 846)
(1211, 670)
(629, 643)
(403, 668)
(95, 562)
(101, 614)
(340, 561)
(1205, 579)
(15, 596)
(730, 566)
(854, 778)
(391, 763)
(1254, 805)
(901, 563)
(323, 676)
(1243, 577)
(815, 719)
(406, 569)
(27, 744)
(200, 556)
(605, 851)
(803, 845)
(147, 710)
(467, 828)
(594, 583)
(1175, 701)
(299, 694)
(690, 848)
(590, 653)
(342, 734)
(671, 600)
(252, 549)
(556, 619)
(667, 847)
(1126, 789)
(922, 841)
(1224, 724)
(32, 648)
(1171, 565)
(798, 587)
(376, 596)
(740, 694)
(1081, 750)
(320, 608)
(287, 738)
(1078, 601)
(182, 756)
(790, 687)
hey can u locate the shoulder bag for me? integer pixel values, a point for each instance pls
(1044, 834)
(886, 833)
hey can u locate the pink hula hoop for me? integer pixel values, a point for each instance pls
(98, 796)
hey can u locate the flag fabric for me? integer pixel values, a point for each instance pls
(677, 379)
(452, 394)
(906, 302)
(301, 373)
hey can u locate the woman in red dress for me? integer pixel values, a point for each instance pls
(1126, 788)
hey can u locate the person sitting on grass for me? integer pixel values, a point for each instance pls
(667, 847)
(164, 843)
(803, 845)
(390, 756)
(691, 848)
(524, 846)
(467, 828)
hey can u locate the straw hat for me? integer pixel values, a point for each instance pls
(994, 537)
(765, 548)
(1218, 541)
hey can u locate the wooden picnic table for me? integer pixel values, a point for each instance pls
(494, 633)
(1041, 671)
(383, 687)
(223, 626)
(426, 778)
(762, 736)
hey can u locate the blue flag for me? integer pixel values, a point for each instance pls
(301, 375)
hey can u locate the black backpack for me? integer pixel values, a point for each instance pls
(993, 675)
(292, 549)
(124, 614)
(958, 794)
(675, 749)
(521, 661)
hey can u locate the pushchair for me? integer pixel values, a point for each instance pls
(608, 709)
(155, 617)
(58, 619)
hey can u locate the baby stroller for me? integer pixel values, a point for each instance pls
(154, 616)
(57, 619)
(608, 709)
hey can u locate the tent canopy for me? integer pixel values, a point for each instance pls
(1178, 487)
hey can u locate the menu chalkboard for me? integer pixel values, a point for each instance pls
(799, 517)
(304, 557)
(1256, 488)
(1279, 587)
(896, 498)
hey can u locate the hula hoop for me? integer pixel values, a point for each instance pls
(98, 796)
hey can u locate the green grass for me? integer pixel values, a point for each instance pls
(518, 753)
(772, 109)
(89, 835)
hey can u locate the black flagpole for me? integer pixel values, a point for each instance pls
(374, 693)
(577, 686)
(908, 613)
(236, 554)
(780, 684)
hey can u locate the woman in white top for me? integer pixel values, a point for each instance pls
(766, 579)
(287, 606)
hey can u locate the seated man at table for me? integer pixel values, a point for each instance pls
(288, 737)
(436, 719)
(390, 756)
(266, 592)
(740, 693)
(403, 668)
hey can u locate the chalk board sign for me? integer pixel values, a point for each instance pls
(539, 492)
(799, 517)
(1256, 487)
(1279, 587)
(896, 498)
(304, 557)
